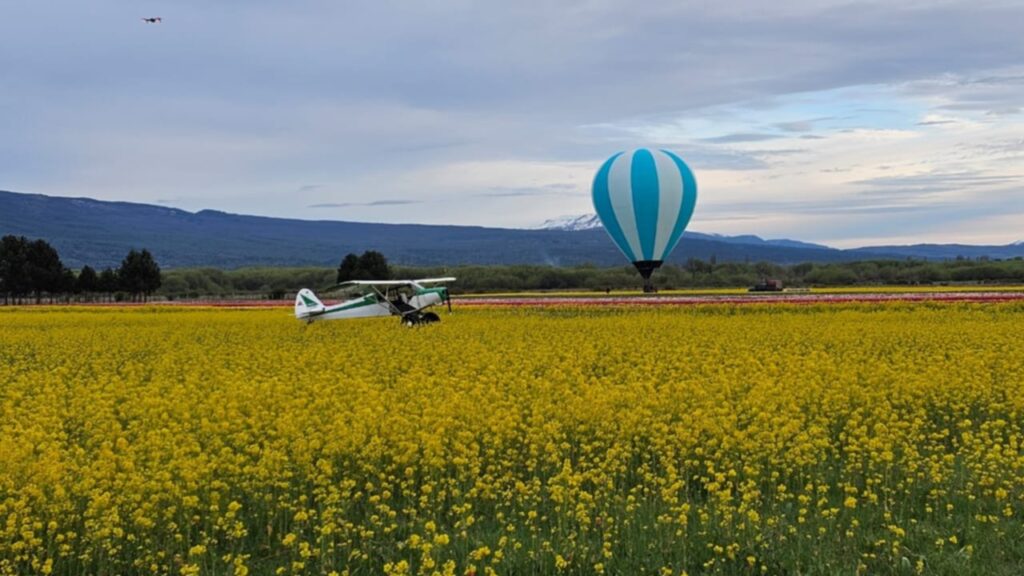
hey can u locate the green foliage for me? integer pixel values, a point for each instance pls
(372, 265)
(35, 267)
(195, 282)
(31, 267)
(139, 273)
(349, 268)
(87, 281)
(43, 267)
(14, 278)
(108, 282)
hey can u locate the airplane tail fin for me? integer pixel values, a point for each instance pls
(307, 304)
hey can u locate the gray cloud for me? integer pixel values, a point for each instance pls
(936, 181)
(801, 125)
(374, 203)
(705, 159)
(996, 95)
(779, 152)
(934, 210)
(511, 192)
(797, 126)
(740, 138)
(236, 102)
(1009, 148)
(816, 207)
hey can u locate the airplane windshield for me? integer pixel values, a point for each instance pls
(399, 291)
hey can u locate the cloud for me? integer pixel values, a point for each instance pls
(739, 138)
(556, 189)
(779, 152)
(801, 125)
(933, 182)
(232, 105)
(997, 149)
(994, 95)
(374, 203)
(1005, 111)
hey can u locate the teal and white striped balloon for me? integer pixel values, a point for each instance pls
(645, 199)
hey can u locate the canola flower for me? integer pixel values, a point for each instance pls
(854, 439)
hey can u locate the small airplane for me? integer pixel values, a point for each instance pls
(404, 298)
(156, 20)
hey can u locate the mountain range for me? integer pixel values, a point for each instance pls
(591, 221)
(100, 233)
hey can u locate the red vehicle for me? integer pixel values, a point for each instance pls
(767, 285)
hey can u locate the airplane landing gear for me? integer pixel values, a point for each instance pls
(416, 319)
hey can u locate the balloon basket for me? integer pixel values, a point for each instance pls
(645, 268)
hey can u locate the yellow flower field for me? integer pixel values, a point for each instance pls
(833, 439)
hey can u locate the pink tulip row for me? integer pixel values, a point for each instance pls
(751, 299)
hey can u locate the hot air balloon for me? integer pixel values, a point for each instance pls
(645, 199)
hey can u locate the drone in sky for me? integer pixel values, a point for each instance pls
(155, 20)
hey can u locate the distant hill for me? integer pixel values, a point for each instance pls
(591, 221)
(99, 233)
(947, 251)
(584, 222)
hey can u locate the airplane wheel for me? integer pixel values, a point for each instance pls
(409, 321)
(430, 318)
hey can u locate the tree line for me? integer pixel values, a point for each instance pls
(283, 282)
(31, 270)
(371, 265)
(273, 282)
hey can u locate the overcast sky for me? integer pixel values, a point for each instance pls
(848, 123)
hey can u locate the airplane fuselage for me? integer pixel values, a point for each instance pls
(366, 306)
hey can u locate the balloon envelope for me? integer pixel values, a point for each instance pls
(645, 199)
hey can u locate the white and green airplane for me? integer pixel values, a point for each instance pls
(404, 298)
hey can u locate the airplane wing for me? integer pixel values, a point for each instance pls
(375, 283)
(393, 282)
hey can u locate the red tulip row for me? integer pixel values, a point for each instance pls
(751, 299)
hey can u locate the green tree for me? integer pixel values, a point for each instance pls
(68, 283)
(349, 268)
(802, 269)
(87, 281)
(765, 269)
(695, 266)
(44, 269)
(108, 282)
(139, 274)
(374, 266)
(14, 282)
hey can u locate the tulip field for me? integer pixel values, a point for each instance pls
(800, 439)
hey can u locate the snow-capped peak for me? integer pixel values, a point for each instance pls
(572, 223)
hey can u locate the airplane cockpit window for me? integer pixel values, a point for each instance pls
(400, 297)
